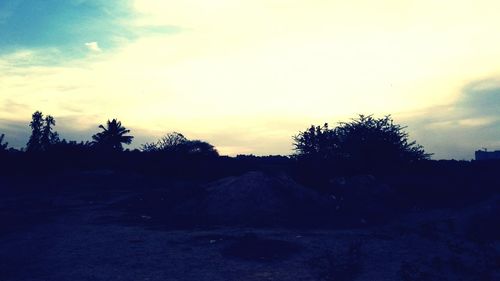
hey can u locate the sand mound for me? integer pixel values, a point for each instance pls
(256, 198)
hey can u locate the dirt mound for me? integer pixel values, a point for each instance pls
(259, 199)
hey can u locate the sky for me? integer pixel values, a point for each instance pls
(248, 75)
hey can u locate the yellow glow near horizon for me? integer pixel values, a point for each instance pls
(264, 69)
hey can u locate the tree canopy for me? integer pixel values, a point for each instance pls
(177, 143)
(112, 136)
(42, 134)
(364, 141)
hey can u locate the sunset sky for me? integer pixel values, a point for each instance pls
(247, 75)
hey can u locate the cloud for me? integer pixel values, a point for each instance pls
(93, 46)
(458, 129)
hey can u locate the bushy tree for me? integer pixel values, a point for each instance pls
(372, 140)
(112, 136)
(149, 147)
(316, 142)
(177, 143)
(200, 148)
(364, 142)
(170, 142)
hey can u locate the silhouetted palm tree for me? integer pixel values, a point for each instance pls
(112, 136)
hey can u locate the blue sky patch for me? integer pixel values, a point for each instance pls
(67, 25)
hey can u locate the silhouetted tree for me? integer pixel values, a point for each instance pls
(3, 146)
(371, 140)
(199, 147)
(112, 137)
(48, 137)
(36, 125)
(42, 136)
(316, 142)
(149, 147)
(365, 143)
(177, 143)
(170, 142)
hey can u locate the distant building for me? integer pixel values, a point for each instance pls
(487, 155)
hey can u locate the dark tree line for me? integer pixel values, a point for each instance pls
(111, 138)
(362, 145)
(44, 138)
(364, 140)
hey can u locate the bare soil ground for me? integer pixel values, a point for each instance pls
(78, 234)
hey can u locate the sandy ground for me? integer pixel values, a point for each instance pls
(77, 237)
